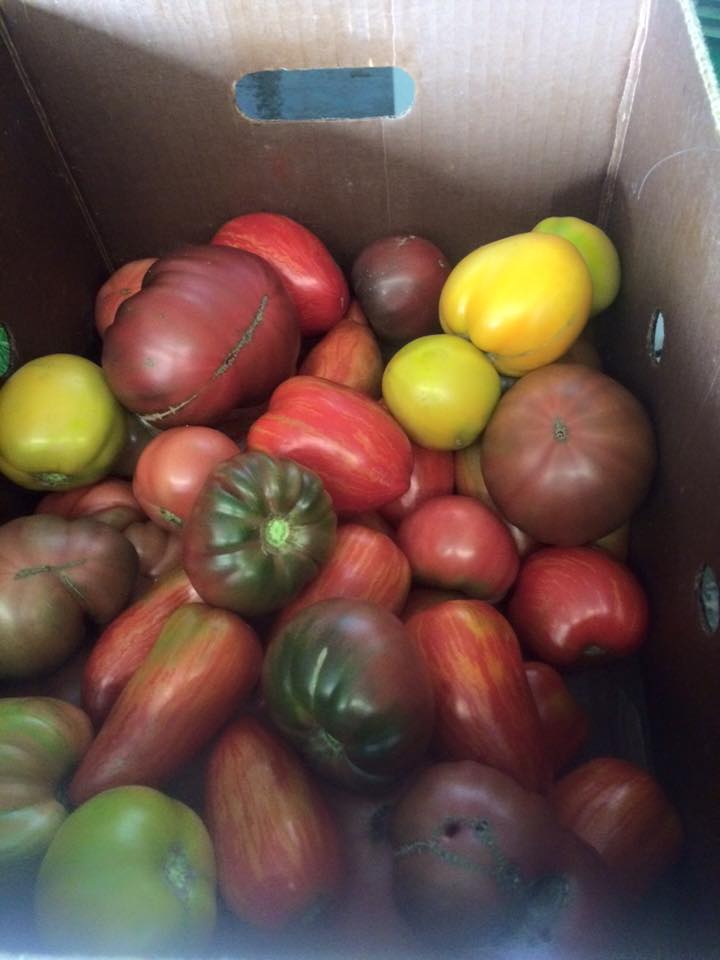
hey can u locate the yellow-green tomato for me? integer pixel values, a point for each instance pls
(598, 252)
(522, 300)
(442, 390)
(60, 424)
(131, 871)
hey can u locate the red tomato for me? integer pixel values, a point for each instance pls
(362, 456)
(621, 811)
(577, 604)
(365, 565)
(126, 281)
(277, 847)
(173, 467)
(203, 665)
(432, 475)
(484, 709)
(372, 519)
(348, 354)
(100, 500)
(420, 598)
(313, 280)
(212, 329)
(568, 454)
(460, 544)
(470, 482)
(564, 723)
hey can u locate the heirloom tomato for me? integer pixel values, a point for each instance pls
(522, 300)
(345, 682)
(261, 528)
(130, 872)
(123, 283)
(60, 425)
(442, 390)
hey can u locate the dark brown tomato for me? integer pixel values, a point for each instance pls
(568, 454)
(397, 281)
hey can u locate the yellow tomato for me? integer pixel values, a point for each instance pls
(60, 425)
(598, 252)
(522, 300)
(442, 390)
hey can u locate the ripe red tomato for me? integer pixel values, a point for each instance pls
(212, 329)
(126, 281)
(360, 453)
(348, 354)
(484, 709)
(470, 482)
(568, 454)
(623, 812)
(460, 544)
(314, 282)
(277, 846)
(365, 565)
(564, 722)
(432, 475)
(173, 467)
(98, 500)
(577, 604)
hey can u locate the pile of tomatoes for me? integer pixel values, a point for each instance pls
(289, 627)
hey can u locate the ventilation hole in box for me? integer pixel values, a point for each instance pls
(337, 93)
(7, 352)
(708, 596)
(656, 336)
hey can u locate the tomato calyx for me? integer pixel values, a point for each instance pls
(275, 534)
(560, 430)
(52, 480)
(170, 517)
(179, 873)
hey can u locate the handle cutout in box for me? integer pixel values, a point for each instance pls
(338, 93)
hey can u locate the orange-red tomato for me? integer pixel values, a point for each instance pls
(126, 281)
(172, 469)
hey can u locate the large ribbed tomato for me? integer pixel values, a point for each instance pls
(211, 329)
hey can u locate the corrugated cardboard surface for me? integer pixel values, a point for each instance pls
(666, 218)
(514, 116)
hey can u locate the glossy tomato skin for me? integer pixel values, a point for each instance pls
(123, 283)
(344, 681)
(41, 741)
(61, 426)
(312, 278)
(128, 639)
(484, 707)
(173, 467)
(53, 573)
(573, 605)
(202, 666)
(470, 482)
(479, 862)
(622, 811)
(260, 529)
(398, 280)
(288, 864)
(564, 723)
(568, 455)
(458, 543)
(133, 853)
(432, 475)
(348, 354)
(365, 565)
(211, 329)
(362, 456)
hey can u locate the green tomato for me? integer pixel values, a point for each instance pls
(130, 871)
(598, 252)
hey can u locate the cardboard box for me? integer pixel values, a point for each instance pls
(121, 139)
